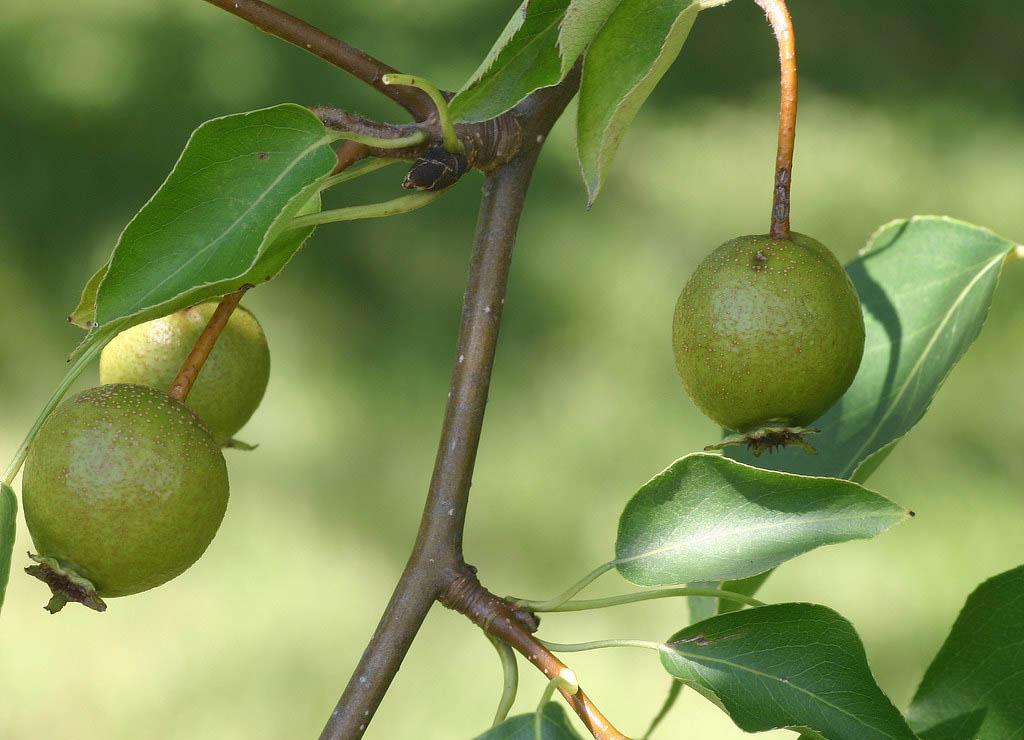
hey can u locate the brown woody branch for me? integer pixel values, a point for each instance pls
(489, 144)
(356, 62)
(437, 559)
(506, 148)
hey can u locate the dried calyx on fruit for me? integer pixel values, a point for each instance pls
(124, 489)
(234, 376)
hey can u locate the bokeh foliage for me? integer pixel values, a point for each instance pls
(906, 108)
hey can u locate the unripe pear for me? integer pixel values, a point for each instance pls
(768, 333)
(232, 382)
(124, 488)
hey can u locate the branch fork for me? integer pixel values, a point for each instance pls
(501, 619)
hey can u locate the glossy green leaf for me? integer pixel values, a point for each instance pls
(926, 285)
(8, 518)
(217, 217)
(974, 689)
(708, 518)
(524, 58)
(269, 264)
(583, 19)
(554, 726)
(786, 665)
(85, 313)
(624, 63)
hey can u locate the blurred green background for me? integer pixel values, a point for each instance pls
(910, 107)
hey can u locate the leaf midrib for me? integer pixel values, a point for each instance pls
(295, 162)
(857, 456)
(742, 530)
(696, 659)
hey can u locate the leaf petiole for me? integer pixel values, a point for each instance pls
(352, 174)
(375, 210)
(376, 142)
(579, 647)
(565, 680)
(510, 670)
(665, 593)
(553, 604)
(451, 140)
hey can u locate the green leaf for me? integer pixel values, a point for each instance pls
(926, 285)
(279, 254)
(8, 517)
(786, 665)
(708, 518)
(974, 689)
(554, 726)
(583, 19)
(85, 314)
(215, 222)
(624, 63)
(524, 58)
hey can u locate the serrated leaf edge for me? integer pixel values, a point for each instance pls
(560, 43)
(462, 117)
(513, 25)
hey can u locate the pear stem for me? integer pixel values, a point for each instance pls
(204, 345)
(782, 25)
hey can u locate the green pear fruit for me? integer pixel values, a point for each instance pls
(768, 333)
(232, 382)
(124, 488)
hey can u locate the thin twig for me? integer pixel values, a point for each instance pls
(186, 377)
(782, 25)
(356, 62)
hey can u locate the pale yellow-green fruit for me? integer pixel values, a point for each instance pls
(123, 486)
(232, 382)
(768, 332)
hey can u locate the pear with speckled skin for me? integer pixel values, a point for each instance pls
(232, 382)
(768, 333)
(124, 489)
